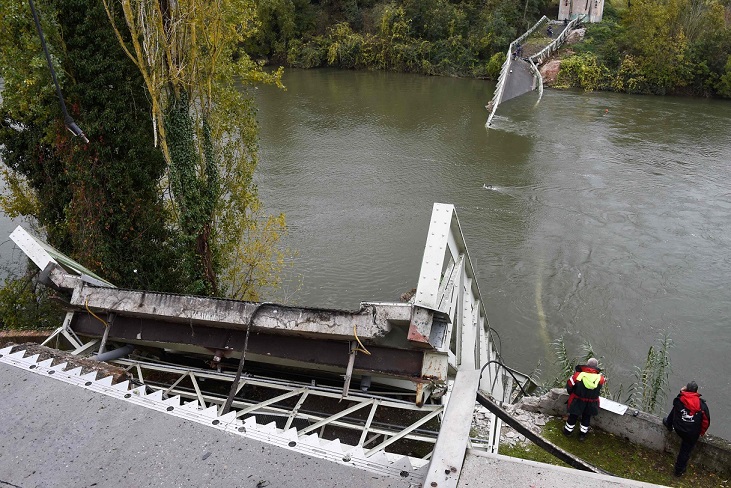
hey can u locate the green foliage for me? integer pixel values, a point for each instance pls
(97, 202)
(582, 71)
(655, 47)
(312, 54)
(25, 305)
(345, 50)
(648, 392)
(196, 79)
(601, 40)
(615, 454)
(114, 205)
(495, 65)
(194, 181)
(567, 363)
(436, 20)
(433, 37)
(724, 83)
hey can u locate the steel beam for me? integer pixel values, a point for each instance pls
(263, 347)
(449, 451)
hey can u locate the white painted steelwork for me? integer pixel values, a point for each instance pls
(447, 285)
(447, 325)
(534, 61)
(42, 254)
(505, 71)
(203, 409)
(449, 452)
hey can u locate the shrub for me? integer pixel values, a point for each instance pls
(582, 71)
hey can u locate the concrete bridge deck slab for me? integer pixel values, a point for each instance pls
(53, 434)
(57, 435)
(483, 470)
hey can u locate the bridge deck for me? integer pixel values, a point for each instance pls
(519, 81)
(57, 434)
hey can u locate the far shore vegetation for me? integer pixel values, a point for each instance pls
(662, 47)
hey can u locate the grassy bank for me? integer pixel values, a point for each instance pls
(617, 456)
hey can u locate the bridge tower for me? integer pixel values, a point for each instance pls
(570, 9)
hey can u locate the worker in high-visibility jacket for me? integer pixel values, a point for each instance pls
(584, 388)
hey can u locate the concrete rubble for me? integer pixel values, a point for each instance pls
(508, 436)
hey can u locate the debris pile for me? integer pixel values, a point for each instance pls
(532, 420)
(87, 365)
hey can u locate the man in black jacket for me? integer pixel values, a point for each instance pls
(584, 387)
(690, 418)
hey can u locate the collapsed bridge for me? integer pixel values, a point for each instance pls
(366, 387)
(160, 389)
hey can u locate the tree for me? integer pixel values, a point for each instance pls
(97, 202)
(188, 54)
(657, 47)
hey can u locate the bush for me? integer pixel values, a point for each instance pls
(25, 305)
(311, 54)
(584, 72)
(495, 65)
(724, 84)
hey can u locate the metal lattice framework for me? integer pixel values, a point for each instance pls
(258, 419)
(445, 353)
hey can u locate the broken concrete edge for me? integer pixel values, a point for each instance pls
(711, 452)
(373, 320)
(87, 365)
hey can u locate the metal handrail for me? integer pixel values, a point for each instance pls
(495, 101)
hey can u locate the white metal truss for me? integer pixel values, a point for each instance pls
(42, 255)
(447, 324)
(447, 284)
(253, 419)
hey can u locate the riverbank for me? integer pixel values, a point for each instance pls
(620, 55)
(630, 446)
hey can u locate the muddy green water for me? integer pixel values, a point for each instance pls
(607, 220)
(608, 217)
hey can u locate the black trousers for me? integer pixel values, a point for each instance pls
(585, 419)
(686, 446)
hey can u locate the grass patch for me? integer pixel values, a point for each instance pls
(617, 456)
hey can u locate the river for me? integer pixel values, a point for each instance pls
(605, 217)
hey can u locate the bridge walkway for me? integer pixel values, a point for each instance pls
(519, 73)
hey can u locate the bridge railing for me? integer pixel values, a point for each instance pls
(448, 287)
(499, 88)
(545, 53)
(540, 57)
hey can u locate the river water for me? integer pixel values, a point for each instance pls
(605, 217)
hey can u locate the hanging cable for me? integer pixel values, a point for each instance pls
(240, 369)
(362, 347)
(86, 304)
(506, 369)
(68, 121)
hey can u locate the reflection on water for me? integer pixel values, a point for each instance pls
(601, 217)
